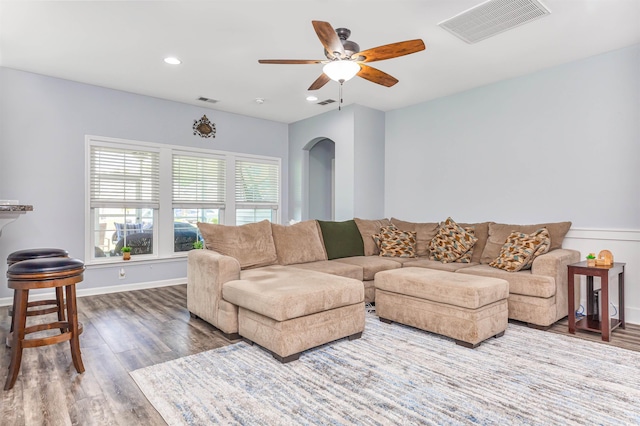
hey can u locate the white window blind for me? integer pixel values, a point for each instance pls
(257, 184)
(198, 182)
(124, 177)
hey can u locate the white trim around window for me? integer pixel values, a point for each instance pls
(194, 184)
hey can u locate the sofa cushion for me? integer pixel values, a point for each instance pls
(341, 239)
(371, 265)
(425, 232)
(251, 244)
(521, 282)
(451, 242)
(283, 293)
(333, 267)
(471, 292)
(520, 250)
(367, 228)
(403, 260)
(498, 233)
(435, 264)
(298, 243)
(393, 242)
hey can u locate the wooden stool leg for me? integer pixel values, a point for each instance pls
(20, 316)
(72, 315)
(60, 303)
(13, 311)
(7, 342)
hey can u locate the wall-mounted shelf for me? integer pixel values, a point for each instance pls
(11, 212)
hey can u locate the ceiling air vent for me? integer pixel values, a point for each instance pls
(211, 101)
(493, 17)
(326, 102)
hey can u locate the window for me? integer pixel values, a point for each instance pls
(257, 191)
(198, 196)
(151, 196)
(124, 199)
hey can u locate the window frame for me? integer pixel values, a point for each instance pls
(163, 229)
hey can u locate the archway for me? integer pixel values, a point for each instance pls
(320, 179)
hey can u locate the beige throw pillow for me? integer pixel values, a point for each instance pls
(393, 242)
(251, 244)
(451, 242)
(498, 233)
(520, 250)
(468, 255)
(481, 232)
(298, 243)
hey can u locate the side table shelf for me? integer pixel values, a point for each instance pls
(591, 322)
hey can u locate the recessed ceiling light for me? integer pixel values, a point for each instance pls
(312, 98)
(259, 101)
(172, 61)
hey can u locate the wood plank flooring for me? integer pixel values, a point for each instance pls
(629, 338)
(124, 332)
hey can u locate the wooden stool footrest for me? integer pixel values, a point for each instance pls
(45, 341)
(45, 311)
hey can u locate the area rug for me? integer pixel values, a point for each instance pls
(400, 375)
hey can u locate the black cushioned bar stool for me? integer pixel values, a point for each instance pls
(38, 253)
(58, 272)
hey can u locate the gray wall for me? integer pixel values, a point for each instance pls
(369, 163)
(43, 123)
(337, 126)
(321, 157)
(358, 133)
(560, 144)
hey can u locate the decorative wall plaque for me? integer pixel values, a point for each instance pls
(204, 128)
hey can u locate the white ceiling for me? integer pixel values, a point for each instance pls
(121, 45)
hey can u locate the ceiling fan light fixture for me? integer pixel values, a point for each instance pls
(341, 71)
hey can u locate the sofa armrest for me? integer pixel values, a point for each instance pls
(554, 264)
(207, 271)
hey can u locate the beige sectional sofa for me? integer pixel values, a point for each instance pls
(329, 252)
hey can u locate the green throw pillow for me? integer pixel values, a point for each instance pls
(341, 239)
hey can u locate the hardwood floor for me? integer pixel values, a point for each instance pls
(629, 338)
(124, 332)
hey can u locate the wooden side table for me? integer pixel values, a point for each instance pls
(590, 322)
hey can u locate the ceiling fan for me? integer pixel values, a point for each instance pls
(345, 60)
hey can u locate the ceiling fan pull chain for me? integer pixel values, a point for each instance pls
(340, 96)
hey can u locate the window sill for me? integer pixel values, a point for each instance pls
(135, 260)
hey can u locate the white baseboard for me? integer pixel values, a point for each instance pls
(81, 292)
(632, 315)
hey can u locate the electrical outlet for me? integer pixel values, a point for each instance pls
(121, 274)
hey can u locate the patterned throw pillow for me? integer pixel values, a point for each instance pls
(393, 242)
(520, 250)
(466, 258)
(451, 242)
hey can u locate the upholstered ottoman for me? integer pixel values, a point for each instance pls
(467, 308)
(289, 310)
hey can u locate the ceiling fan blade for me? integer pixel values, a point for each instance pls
(329, 38)
(389, 51)
(320, 81)
(290, 61)
(376, 76)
